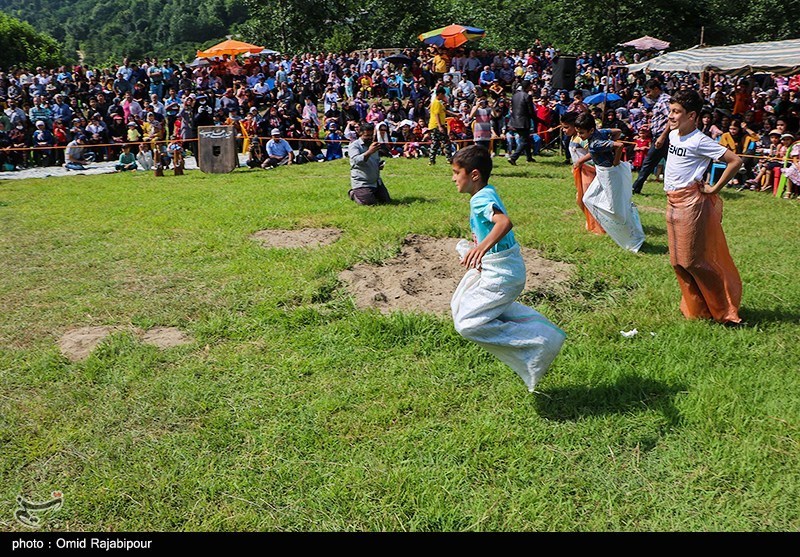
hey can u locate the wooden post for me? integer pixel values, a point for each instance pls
(158, 166)
(177, 162)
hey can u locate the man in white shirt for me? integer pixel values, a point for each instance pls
(465, 90)
(157, 107)
(709, 281)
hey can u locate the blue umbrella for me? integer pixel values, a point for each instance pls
(597, 98)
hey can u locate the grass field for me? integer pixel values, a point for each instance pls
(294, 410)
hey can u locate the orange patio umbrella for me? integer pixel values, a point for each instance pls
(229, 47)
(452, 36)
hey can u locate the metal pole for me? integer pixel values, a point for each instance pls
(702, 32)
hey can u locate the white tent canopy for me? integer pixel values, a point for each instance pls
(780, 57)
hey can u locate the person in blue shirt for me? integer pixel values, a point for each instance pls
(333, 145)
(608, 197)
(61, 109)
(483, 306)
(487, 77)
(279, 152)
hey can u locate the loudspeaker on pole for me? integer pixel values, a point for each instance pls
(564, 72)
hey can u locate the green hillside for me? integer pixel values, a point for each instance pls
(105, 30)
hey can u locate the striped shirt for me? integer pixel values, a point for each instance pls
(658, 121)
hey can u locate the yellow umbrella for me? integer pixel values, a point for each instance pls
(229, 47)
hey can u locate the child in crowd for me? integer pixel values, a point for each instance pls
(457, 130)
(333, 143)
(145, 156)
(351, 130)
(765, 167)
(643, 141)
(608, 197)
(582, 170)
(792, 170)
(422, 136)
(708, 279)
(483, 305)
(411, 146)
(127, 160)
(133, 135)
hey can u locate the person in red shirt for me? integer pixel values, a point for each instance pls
(544, 114)
(743, 99)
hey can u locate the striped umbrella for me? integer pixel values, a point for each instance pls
(451, 36)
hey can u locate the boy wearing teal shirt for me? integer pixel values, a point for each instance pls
(483, 305)
(127, 160)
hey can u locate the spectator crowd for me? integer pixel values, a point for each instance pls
(310, 104)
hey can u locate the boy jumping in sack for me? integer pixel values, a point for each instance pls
(709, 281)
(483, 305)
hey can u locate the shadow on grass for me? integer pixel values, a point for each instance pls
(731, 193)
(755, 316)
(628, 394)
(650, 230)
(653, 249)
(409, 200)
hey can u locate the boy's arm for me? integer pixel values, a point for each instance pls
(616, 133)
(618, 147)
(734, 162)
(502, 225)
(663, 138)
(584, 159)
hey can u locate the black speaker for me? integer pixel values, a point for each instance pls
(564, 73)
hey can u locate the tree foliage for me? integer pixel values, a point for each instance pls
(21, 44)
(571, 25)
(107, 30)
(102, 31)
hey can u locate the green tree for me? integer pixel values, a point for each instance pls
(290, 25)
(21, 44)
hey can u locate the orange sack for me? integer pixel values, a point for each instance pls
(709, 281)
(584, 175)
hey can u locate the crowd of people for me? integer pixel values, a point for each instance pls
(75, 115)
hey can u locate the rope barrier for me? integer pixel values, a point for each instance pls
(297, 139)
(133, 143)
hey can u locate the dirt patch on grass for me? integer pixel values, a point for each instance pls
(425, 274)
(302, 238)
(77, 344)
(165, 337)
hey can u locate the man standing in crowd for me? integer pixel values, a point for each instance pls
(522, 112)
(472, 67)
(658, 129)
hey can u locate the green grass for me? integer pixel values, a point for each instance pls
(294, 410)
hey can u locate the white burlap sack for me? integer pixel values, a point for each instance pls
(485, 311)
(608, 199)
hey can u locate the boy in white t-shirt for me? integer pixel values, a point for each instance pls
(709, 281)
